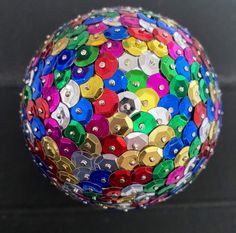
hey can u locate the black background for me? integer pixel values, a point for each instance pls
(29, 204)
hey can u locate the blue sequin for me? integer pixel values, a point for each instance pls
(65, 59)
(189, 133)
(185, 106)
(220, 116)
(100, 177)
(183, 67)
(86, 111)
(210, 110)
(198, 166)
(50, 63)
(37, 127)
(170, 102)
(38, 69)
(118, 82)
(147, 19)
(38, 161)
(84, 74)
(42, 166)
(172, 148)
(90, 187)
(116, 33)
(164, 26)
(36, 89)
(203, 71)
(93, 20)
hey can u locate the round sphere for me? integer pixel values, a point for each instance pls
(121, 108)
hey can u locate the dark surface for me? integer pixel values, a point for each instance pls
(29, 204)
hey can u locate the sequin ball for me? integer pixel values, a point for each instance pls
(121, 108)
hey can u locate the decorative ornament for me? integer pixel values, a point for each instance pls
(121, 108)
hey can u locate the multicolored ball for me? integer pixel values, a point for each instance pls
(121, 108)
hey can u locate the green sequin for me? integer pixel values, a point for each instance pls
(78, 40)
(75, 131)
(179, 86)
(27, 94)
(168, 67)
(110, 14)
(195, 71)
(137, 79)
(143, 122)
(178, 123)
(86, 55)
(195, 147)
(163, 169)
(204, 90)
(61, 78)
(154, 185)
(94, 196)
(60, 34)
(77, 30)
(166, 189)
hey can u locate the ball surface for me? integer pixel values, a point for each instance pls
(121, 108)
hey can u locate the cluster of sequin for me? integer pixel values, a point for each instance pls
(121, 108)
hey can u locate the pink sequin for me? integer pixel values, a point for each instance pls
(189, 55)
(159, 84)
(52, 96)
(217, 109)
(67, 147)
(129, 21)
(175, 175)
(174, 49)
(98, 126)
(97, 28)
(185, 36)
(47, 80)
(52, 129)
(113, 47)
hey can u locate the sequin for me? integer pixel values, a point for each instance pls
(97, 28)
(134, 46)
(107, 103)
(143, 122)
(50, 64)
(113, 47)
(70, 94)
(53, 97)
(136, 140)
(189, 133)
(159, 84)
(106, 65)
(118, 82)
(172, 148)
(171, 103)
(37, 127)
(82, 74)
(116, 33)
(82, 111)
(65, 59)
(129, 21)
(129, 103)
(61, 115)
(98, 125)
(149, 63)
